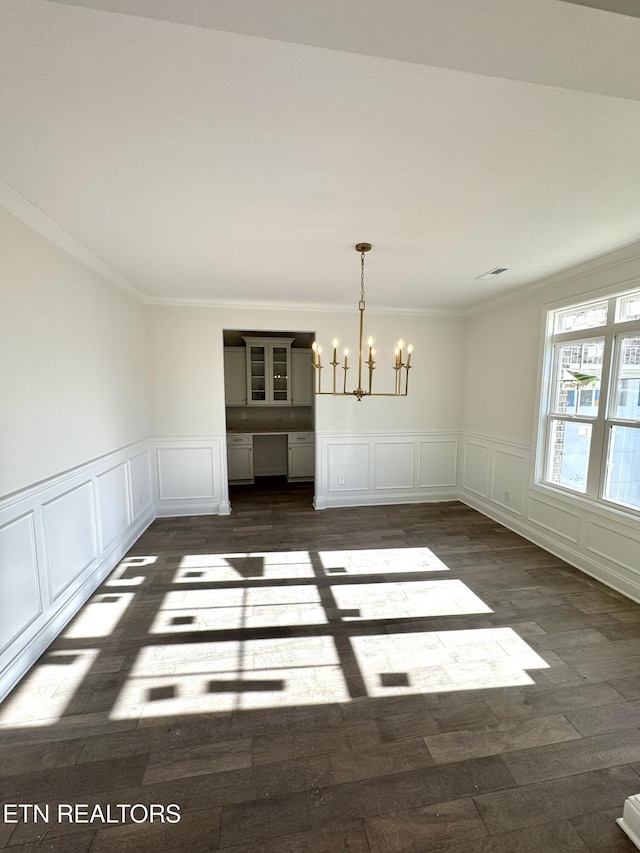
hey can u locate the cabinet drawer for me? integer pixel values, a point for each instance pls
(301, 438)
(236, 440)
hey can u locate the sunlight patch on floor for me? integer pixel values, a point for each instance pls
(326, 638)
(125, 573)
(234, 607)
(256, 566)
(42, 696)
(230, 676)
(409, 599)
(99, 617)
(424, 663)
(270, 673)
(382, 561)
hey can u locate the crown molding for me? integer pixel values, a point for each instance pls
(238, 304)
(608, 260)
(28, 213)
(22, 209)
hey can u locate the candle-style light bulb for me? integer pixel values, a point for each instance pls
(370, 345)
(314, 347)
(400, 344)
(345, 368)
(409, 351)
(334, 362)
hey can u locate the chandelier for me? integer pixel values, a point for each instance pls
(399, 366)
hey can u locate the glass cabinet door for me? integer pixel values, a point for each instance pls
(280, 373)
(257, 373)
(268, 365)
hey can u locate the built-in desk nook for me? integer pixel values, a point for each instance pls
(269, 405)
(270, 453)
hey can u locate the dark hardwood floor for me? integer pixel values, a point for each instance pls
(373, 680)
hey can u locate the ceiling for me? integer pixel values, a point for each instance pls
(228, 151)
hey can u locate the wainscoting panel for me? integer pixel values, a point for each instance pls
(554, 519)
(438, 464)
(475, 473)
(384, 469)
(115, 511)
(140, 476)
(58, 541)
(21, 601)
(70, 536)
(394, 465)
(347, 466)
(614, 544)
(185, 472)
(507, 479)
(190, 475)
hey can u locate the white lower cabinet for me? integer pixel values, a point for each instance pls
(240, 458)
(302, 456)
(300, 463)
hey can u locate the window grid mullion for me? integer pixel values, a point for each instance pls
(603, 422)
(598, 451)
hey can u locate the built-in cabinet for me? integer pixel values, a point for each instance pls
(235, 376)
(302, 377)
(300, 457)
(272, 372)
(268, 366)
(240, 458)
(301, 460)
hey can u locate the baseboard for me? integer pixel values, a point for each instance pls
(327, 502)
(184, 509)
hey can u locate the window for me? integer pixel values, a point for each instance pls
(591, 406)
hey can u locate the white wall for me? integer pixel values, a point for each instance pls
(501, 391)
(501, 370)
(75, 485)
(72, 361)
(188, 417)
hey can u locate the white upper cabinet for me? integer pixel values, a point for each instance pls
(268, 371)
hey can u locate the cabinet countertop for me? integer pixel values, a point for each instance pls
(267, 431)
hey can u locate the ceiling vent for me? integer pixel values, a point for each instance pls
(495, 271)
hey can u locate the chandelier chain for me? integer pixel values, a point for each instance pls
(362, 276)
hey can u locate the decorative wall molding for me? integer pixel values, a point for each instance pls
(58, 541)
(46, 574)
(604, 544)
(385, 468)
(189, 475)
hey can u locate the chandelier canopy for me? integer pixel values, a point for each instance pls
(399, 366)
